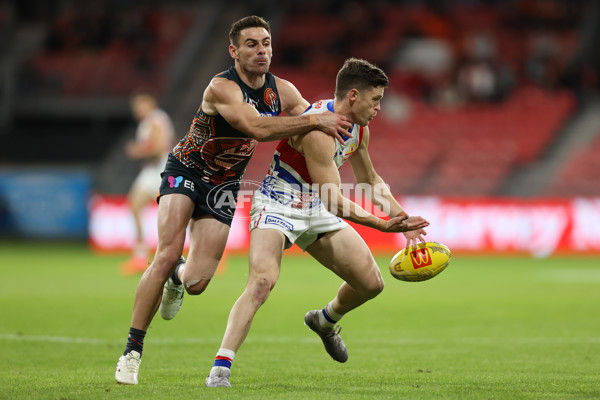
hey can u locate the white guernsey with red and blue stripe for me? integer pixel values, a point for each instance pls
(288, 180)
(288, 201)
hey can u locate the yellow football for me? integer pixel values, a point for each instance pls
(420, 264)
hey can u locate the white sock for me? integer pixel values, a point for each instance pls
(224, 359)
(328, 317)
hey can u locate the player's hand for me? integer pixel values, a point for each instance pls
(405, 224)
(334, 125)
(413, 236)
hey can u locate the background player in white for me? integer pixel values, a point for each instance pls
(287, 209)
(235, 113)
(154, 139)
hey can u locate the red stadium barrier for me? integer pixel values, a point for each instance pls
(540, 227)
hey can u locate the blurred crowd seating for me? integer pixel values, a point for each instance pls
(476, 91)
(580, 174)
(471, 150)
(90, 51)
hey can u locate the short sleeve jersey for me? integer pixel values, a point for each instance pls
(216, 151)
(288, 176)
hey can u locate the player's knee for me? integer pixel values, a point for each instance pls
(195, 287)
(163, 265)
(261, 289)
(374, 288)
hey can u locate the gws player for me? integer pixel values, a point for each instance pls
(216, 150)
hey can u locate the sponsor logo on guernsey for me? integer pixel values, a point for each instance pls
(349, 151)
(250, 101)
(270, 99)
(270, 219)
(174, 181)
(255, 104)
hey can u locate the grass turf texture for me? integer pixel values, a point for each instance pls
(486, 328)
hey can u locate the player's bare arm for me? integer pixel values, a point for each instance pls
(380, 194)
(292, 103)
(225, 97)
(318, 151)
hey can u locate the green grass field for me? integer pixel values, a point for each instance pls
(486, 328)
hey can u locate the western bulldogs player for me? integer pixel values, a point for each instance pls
(300, 202)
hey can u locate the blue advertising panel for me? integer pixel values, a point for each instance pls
(44, 203)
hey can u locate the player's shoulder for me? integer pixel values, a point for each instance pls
(282, 82)
(220, 82)
(158, 116)
(292, 102)
(318, 144)
(158, 113)
(320, 106)
(221, 88)
(285, 87)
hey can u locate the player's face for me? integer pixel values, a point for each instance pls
(253, 51)
(141, 106)
(367, 105)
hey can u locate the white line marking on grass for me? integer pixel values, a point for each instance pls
(270, 340)
(572, 275)
(51, 339)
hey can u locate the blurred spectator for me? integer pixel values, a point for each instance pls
(481, 77)
(543, 66)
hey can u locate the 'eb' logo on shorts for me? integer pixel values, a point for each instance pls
(175, 181)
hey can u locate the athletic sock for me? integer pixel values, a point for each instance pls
(224, 358)
(175, 277)
(135, 341)
(328, 318)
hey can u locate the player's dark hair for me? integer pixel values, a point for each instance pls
(360, 75)
(251, 21)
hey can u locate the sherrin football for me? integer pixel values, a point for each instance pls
(420, 264)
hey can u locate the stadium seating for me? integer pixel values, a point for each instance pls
(580, 174)
(419, 144)
(114, 68)
(467, 151)
(462, 149)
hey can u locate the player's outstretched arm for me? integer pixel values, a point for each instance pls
(318, 152)
(225, 97)
(379, 193)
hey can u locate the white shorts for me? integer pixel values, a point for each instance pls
(300, 226)
(149, 178)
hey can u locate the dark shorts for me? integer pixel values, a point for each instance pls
(218, 201)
